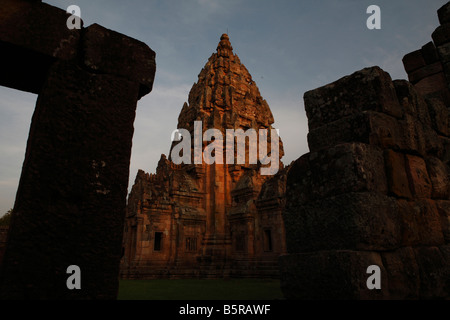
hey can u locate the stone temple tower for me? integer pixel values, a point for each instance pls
(199, 219)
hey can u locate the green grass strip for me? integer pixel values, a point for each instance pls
(200, 289)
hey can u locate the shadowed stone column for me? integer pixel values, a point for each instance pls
(70, 205)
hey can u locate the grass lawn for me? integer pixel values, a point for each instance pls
(195, 289)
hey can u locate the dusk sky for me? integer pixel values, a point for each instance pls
(288, 46)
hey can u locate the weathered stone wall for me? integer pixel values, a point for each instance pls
(70, 204)
(375, 187)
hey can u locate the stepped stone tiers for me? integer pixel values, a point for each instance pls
(209, 220)
(375, 187)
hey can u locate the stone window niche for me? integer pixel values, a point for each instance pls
(191, 244)
(158, 241)
(268, 240)
(240, 243)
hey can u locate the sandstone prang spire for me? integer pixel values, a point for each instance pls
(209, 220)
(225, 96)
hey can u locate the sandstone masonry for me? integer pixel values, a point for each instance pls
(375, 187)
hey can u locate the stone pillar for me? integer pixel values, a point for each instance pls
(70, 204)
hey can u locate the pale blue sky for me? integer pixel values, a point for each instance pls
(288, 46)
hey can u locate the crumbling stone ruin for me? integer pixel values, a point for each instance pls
(375, 187)
(70, 204)
(209, 220)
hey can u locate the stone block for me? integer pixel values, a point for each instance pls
(368, 89)
(406, 273)
(419, 181)
(368, 127)
(32, 36)
(402, 273)
(447, 74)
(411, 101)
(431, 84)
(42, 28)
(441, 35)
(439, 116)
(420, 223)
(431, 145)
(429, 53)
(434, 270)
(340, 169)
(443, 207)
(110, 52)
(409, 134)
(397, 179)
(439, 174)
(444, 13)
(443, 95)
(426, 71)
(354, 221)
(444, 52)
(444, 153)
(419, 138)
(336, 275)
(413, 61)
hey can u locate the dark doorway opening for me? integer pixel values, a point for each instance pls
(267, 240)
(158, 241)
